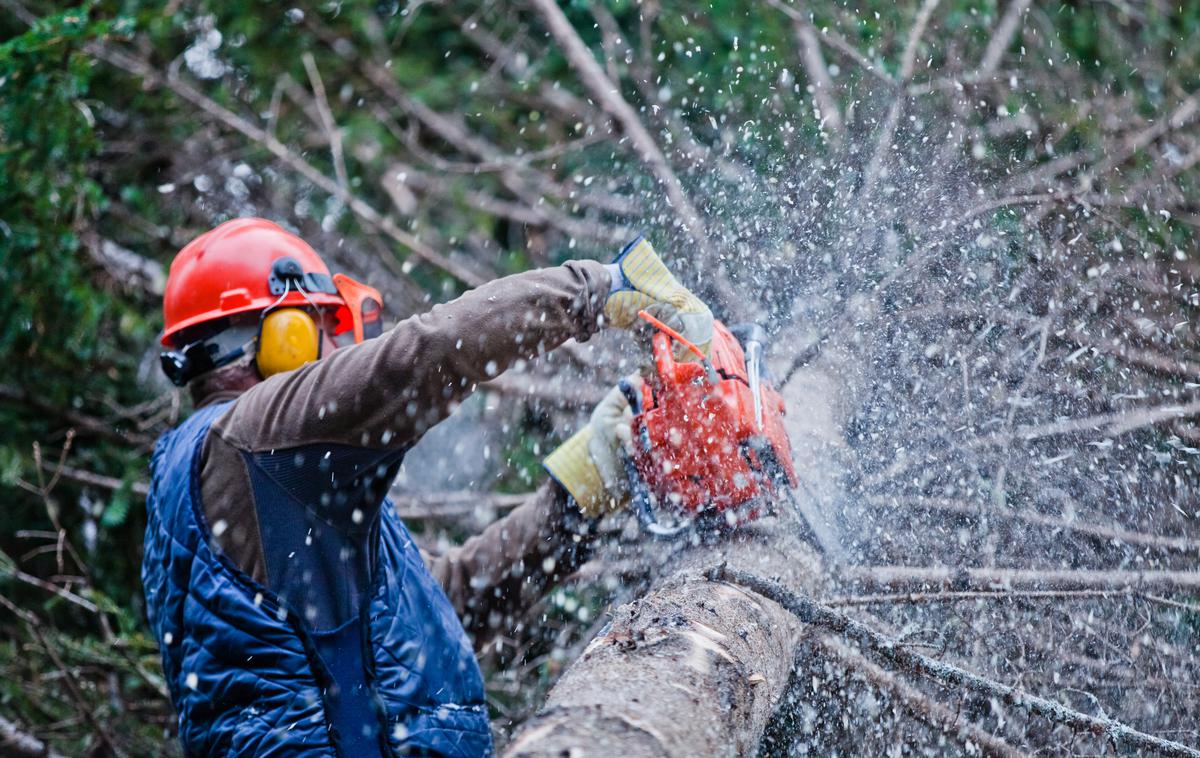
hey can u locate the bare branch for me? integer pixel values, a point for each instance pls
(918, 703)
(332, 133)
(607, 94)
(81, 421)
(82, 476)
(369, 215)
(961, 579)
(1108, 424)
(883, 143)
(928, 598)
(839, 43)
(818, 72)
(1001, 37)
(1081, 526)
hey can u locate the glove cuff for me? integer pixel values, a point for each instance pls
(571, 465)
(642, 279)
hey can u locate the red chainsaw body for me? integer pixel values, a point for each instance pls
(702, 449)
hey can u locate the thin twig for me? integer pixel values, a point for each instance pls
(332, 133)
(924, 598)
(1080, 526)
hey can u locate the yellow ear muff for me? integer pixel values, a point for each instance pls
(287, 339)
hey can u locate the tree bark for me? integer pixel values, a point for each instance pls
(694, 667)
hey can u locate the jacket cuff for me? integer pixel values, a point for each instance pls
(597, 282)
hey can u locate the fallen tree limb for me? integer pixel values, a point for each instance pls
(962, 579)
(886, 648)
(14, 742)
(922, 598)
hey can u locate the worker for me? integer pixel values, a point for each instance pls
(294, 613)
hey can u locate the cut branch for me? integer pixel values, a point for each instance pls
(932, 577)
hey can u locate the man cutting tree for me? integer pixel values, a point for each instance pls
(293, 611)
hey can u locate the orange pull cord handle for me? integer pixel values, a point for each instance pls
(708, 367)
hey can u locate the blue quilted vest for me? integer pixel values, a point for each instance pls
(243, 671)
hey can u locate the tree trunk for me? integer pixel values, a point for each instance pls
(692, 668)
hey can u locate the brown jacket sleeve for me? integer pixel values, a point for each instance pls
(493, 577)
(387, 392)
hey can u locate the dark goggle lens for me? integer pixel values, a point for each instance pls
(372, 318)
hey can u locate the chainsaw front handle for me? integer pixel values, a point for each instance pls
(664, 358)
(639, 494)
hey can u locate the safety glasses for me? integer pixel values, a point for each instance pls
(362, 316)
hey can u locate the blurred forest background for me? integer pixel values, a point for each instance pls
(990, 205)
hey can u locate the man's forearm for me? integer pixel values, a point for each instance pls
(496, 575)
(387, 392)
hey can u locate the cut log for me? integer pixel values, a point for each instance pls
(692, 668)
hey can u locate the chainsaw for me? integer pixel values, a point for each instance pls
(709, 447)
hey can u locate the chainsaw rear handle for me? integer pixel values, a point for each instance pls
(639, 495)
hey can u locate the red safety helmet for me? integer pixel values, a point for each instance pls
(229, 270)
(252, 266)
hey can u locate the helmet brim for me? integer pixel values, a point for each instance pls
(253, 306)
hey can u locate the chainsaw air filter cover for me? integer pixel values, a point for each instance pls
(698, 444)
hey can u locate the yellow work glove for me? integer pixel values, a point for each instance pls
(591, 464)
(641, 281)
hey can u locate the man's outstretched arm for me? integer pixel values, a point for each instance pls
(387, 392)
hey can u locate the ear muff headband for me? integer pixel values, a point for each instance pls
(287, 339)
